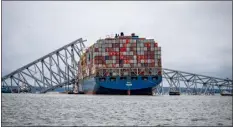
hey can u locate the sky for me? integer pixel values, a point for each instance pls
(195, 36)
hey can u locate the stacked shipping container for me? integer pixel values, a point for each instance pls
(121, 52)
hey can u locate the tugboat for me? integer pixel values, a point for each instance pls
(226, 93)
(174, 93)
(5, 89)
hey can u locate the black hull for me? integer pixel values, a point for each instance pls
(174, 93)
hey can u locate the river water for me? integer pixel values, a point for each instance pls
(109, 110)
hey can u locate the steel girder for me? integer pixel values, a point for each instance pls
(194, 83)
(56, 69)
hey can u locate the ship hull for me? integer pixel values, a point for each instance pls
(139, 85)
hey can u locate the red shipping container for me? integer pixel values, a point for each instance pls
(96, 49)
(159, 72)
(127, 41)
(151, 64)
(156, 44)
(148, 44)
(123, 49)
(113, 65)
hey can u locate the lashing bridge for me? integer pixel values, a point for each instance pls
(60, 67)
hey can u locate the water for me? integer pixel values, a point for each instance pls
(93, 110)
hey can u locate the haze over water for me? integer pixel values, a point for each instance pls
(99, 110)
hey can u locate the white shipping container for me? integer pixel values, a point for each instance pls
(134, 41)
(145, 48)
(152, 45)
(130, 61)
(131, 53)
(142, 61)
(126, 73)
(114, 74)
(139, 65)
(141, 45)
(117, 49)
(114, 61)
(127, 49)
(124, 53)
(134, 61)
(114, 57)
(121, 45)
(135, 57)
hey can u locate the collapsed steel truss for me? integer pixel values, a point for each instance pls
(59, 69)
(194, 83)
(56, 69)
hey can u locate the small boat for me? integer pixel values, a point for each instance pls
(174, 93)
(5, 90)
(226, 93)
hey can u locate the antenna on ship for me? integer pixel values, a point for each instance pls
(122, 34)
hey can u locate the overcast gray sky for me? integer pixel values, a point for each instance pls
(194, 36)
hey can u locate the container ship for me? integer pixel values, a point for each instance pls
(120, 65)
